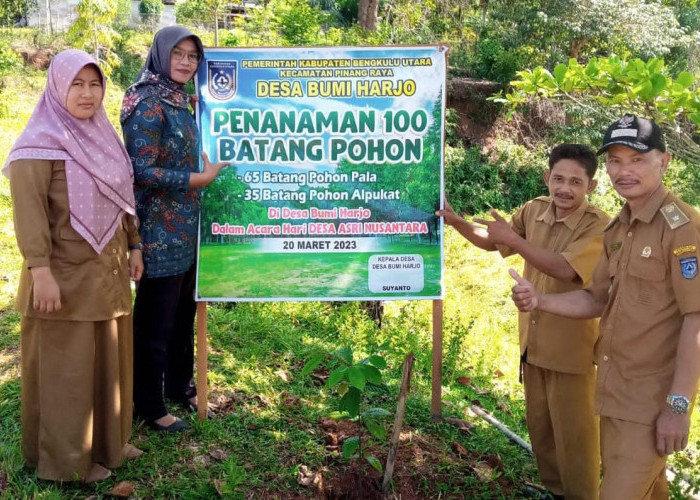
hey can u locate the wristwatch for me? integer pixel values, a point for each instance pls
(679, 404)
(137, 246)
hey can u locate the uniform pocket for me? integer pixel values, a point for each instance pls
(68, 233)
(649, 276)
(648, 269)
(70, 248)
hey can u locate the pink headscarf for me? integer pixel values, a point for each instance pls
(98, 169)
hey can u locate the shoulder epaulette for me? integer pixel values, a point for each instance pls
(674, 215)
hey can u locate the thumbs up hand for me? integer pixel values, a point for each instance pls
(500, 232)
(523, 293)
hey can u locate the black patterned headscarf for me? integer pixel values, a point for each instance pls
(154, 79)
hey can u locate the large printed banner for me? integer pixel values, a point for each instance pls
(336, 172)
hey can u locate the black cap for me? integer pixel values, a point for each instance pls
(640, 134)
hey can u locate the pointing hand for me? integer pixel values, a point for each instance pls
(500, 232)
(449, 214)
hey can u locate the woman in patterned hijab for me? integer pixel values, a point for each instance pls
(162, 139)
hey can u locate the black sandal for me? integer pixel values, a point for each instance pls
(177, 426)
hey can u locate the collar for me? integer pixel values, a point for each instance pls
(548, 215)
(648, 210)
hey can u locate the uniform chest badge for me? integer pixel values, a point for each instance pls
(689, 267)
(646, 252)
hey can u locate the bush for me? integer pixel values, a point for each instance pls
(151, 7)
(192, 12)
(150, 11)
(125, 74)
(493, 61)
(684, 181)
(299, 23)
(471, 184)
(474, 183)
(15, 12)
(131, 48)
(452, 128)
(9, 61)
(123, 12)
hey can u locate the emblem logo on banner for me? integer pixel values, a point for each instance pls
(222, 79)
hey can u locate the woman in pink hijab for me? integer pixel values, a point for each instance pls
(71, 181)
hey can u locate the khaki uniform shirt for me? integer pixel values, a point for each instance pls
(554, 342)
(647, 275)
(94, 287)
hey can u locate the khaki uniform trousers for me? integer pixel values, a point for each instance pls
(563, 430)
(76, 394)
(632, 468)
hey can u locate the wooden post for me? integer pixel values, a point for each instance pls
(436, 401)
(398, 420)
(202, 396)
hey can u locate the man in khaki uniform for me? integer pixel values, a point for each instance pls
(560, 238)
(647, 291)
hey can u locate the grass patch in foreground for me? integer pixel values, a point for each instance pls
(268, 425)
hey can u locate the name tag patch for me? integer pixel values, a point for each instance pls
(689, 267)
(686, 249)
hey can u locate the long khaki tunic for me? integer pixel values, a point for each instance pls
(77, 362)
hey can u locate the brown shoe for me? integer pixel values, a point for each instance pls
(97, 473)
(131, 452)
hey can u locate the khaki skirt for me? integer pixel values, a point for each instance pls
(76, 383)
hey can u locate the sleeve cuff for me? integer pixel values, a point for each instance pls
(37, 262)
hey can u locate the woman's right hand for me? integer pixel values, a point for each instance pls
(47, 294)
(208, 173)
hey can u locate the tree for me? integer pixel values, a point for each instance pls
(123, 13)
(367, 14)
(299, 23)
(215, 8)
(344, 11)
(151, 11)
(93, 31)
(645, 29)
(603, 89)
(501, 36)
(13, 11)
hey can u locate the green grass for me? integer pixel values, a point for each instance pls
(264, 439)
(241, 270)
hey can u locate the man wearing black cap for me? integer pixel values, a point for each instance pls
(647, 291)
